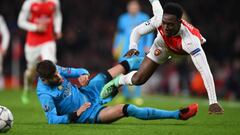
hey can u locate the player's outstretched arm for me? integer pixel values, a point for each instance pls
(200, 61)
(157, 12)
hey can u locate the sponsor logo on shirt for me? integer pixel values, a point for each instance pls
(46, 108)
(60, 87)
(148, 22)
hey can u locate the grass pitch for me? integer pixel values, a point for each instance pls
(30, 119)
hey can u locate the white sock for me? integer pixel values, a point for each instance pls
(126, 79)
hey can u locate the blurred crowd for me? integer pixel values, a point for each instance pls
(88, 31)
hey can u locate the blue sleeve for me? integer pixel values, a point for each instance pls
(72, 72)
(51, 112)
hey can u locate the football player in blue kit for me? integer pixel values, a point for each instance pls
(64, 102)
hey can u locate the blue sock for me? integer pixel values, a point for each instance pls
(150, 113)
(134, 62)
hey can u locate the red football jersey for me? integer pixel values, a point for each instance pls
(41, 12)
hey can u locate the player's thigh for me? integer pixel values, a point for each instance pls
(111, 114)
(158, 53)
(48, 51)
(32, 55)
(97, 82)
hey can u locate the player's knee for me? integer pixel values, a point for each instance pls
(138, 79)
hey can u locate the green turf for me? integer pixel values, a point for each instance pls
(30, 119)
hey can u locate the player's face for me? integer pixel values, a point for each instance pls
(170, 24)
(133, 7)
(55, 80)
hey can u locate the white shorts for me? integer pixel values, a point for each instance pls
(45, 51)
(159, 53)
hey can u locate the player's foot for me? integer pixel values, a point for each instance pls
(110, 88)
(24, 98)
(188, 112)
(215, 108)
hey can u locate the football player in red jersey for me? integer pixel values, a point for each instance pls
(175, 37)
(42, 19)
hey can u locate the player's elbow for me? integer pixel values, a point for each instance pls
(157, 21)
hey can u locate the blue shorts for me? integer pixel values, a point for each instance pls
(92, 92)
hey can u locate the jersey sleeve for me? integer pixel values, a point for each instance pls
(193, 47)
(149, 37)
(4, 33)
(58, 18)
(23, 17)
(51, 112)
(157, 12)
(139, 31)
(72, 72)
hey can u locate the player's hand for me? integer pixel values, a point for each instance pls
(58, 35)
(83, 108)
(131, 53)
(41, 27)
(215, 108)
(83, 80)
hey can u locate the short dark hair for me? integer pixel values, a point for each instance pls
(173, 9)
(46, 69)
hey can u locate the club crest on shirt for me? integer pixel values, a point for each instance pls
(157, 52)
(60, 87)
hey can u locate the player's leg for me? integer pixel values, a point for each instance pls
(96, 83)
(125, 66)
(157, 55)
(49, 51)
(32, 55)
(114, 113)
